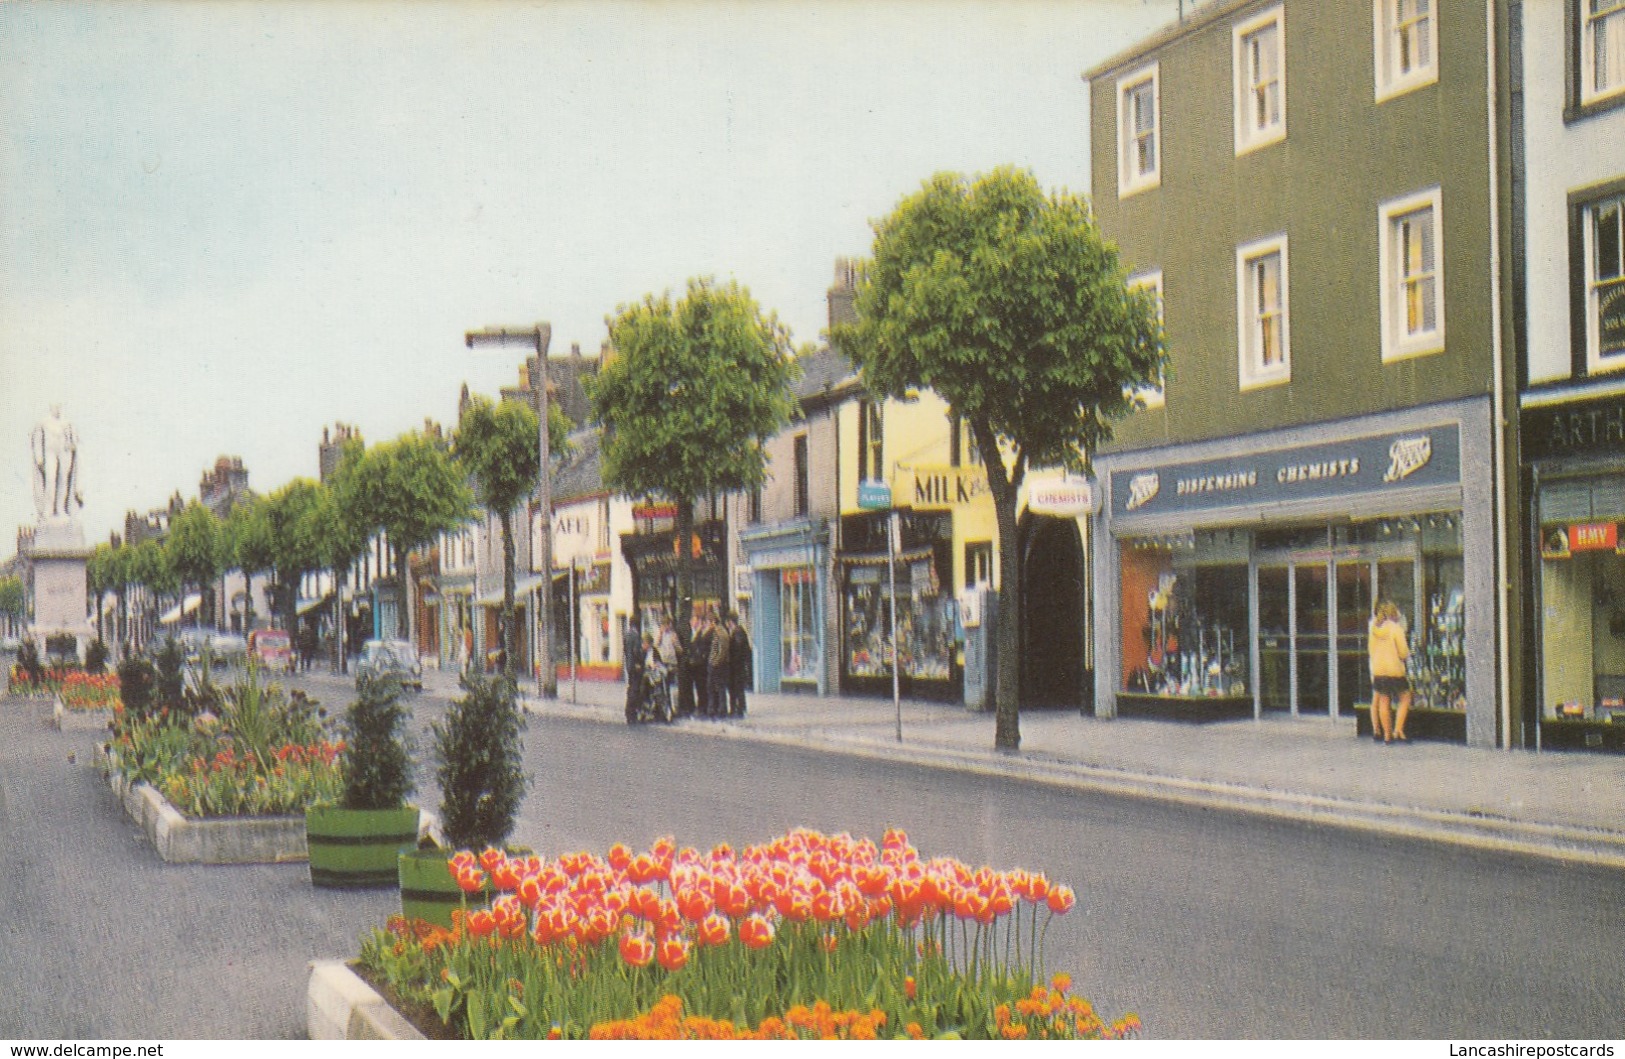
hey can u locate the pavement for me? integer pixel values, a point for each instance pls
(1562, 805)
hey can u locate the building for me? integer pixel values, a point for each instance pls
(1568, 75)
(1317, 192)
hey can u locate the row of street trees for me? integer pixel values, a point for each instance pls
(1003, 299)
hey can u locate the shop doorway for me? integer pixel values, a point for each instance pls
(1314, 610)
(1053, 632)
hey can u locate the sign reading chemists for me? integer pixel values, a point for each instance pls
(1408, 459)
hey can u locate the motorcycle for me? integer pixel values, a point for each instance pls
(654, 703)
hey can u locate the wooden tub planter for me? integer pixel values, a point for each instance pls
(352, 849)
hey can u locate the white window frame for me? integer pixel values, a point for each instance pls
(1130, 180)
(1593, 292)
(1251, 373)
(1589, 23)
(1396, 343)
(1249, 137)
(1151, 396)
(1385, 30)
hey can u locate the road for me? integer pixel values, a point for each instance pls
(1206, 924)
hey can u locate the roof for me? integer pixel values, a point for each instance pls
(822, 373)
(581, 473)
(1200, 19)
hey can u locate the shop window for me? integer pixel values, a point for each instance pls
(1406, 52)
(978, 563)
(1263, 334)
(1137, 130)
(1411, 275)
(925, 620)
(1184, 617)
(798, 624)
(1260, 71)
(871, 441)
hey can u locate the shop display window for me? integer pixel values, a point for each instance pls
(798, 624)
(1185, 626)
(1582, 593)
(926, 620)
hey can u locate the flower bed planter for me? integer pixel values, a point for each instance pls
(179, 840)
(340, 1006)
(358, 848)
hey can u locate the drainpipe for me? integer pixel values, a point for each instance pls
(1498, 396)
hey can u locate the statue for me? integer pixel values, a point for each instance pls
(56, 468)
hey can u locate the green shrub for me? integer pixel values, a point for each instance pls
(171, 685)
(377, 770)
(28, 661)
(138, 680)
(479, 753)
(96, 657)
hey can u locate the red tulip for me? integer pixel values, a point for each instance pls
(672, 952)
(755, 932)
(490, 857)
(619, 857)
(481, 923)
(471, 880)
(637, 949)
(713, 930)
(694, 904)
(1061, 899)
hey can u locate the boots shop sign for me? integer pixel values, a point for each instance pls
(1409, 459)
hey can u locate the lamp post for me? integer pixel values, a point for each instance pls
(535, 337)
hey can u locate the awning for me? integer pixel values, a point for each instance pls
(522, 587)
(880, 560)
(173, 614)
(305, 606)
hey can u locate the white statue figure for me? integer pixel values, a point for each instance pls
(56, 468)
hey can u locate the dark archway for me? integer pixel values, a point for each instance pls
(1053, 626)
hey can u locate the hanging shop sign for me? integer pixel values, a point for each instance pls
(1561, 542)
(1063, 497)
(1410, 459)
(873, 495)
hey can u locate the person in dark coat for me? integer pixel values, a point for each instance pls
(717, 671)
(632, 663)
(699, 661)
(738, 665)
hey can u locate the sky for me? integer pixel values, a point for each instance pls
(226, 224)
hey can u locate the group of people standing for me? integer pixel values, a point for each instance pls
(709, 678)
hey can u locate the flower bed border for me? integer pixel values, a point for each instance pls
(178, 840)
(69, 720)
(341, 1006)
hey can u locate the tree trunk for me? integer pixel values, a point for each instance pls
(684, 543)
(1007, 673)
(341, 577)
(403, 577)
(505, 622)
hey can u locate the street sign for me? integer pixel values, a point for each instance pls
(874, 495)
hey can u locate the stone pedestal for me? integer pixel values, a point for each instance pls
(57, 561)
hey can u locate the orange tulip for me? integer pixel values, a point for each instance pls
(481, 923)
(714, 930)
(755, 932)
(637, 949)
(1061, 899)
(672, 953)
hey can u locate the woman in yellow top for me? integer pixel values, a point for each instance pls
(1388, 651)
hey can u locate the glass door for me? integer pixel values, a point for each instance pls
(1274, 638)
(1312, 646)
(1354, 605)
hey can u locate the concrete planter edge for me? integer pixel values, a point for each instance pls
(341, 1006)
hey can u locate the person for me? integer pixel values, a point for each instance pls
(738, 665)
(632, 662)
(668, 649)
(697, 660)
(717, 674)
(1388, 651)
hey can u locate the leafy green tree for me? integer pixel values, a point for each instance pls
(292, 546)
(13, 599)
(99, 580)
(196, 553)
(151, 568)
(498, 447)
(411, 490)
(1008, 303)
(340, 533)
(122, 575)
(248, 542)
(693, 392)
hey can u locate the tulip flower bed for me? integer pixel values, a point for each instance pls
(264, 756)
(808, 936)
(84, 691)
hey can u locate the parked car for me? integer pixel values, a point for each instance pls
(273, 648)
(225, 650)
(380, 657)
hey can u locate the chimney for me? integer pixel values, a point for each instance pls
(843, 293)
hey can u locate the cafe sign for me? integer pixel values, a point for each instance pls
(1408, 459)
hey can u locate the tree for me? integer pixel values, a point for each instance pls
(122, 574)
(248, 542)
(150, 568)
(693, 392)
(497, 445)
(292, 546)
(340, 532)
(409, 489)
(13, 599)
(1008, 303)
(99, 580)
(195, 548)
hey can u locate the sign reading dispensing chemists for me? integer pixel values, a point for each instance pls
(1409, 459)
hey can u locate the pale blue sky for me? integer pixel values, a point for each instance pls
(224, 225)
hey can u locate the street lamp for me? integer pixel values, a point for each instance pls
(537, 338)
